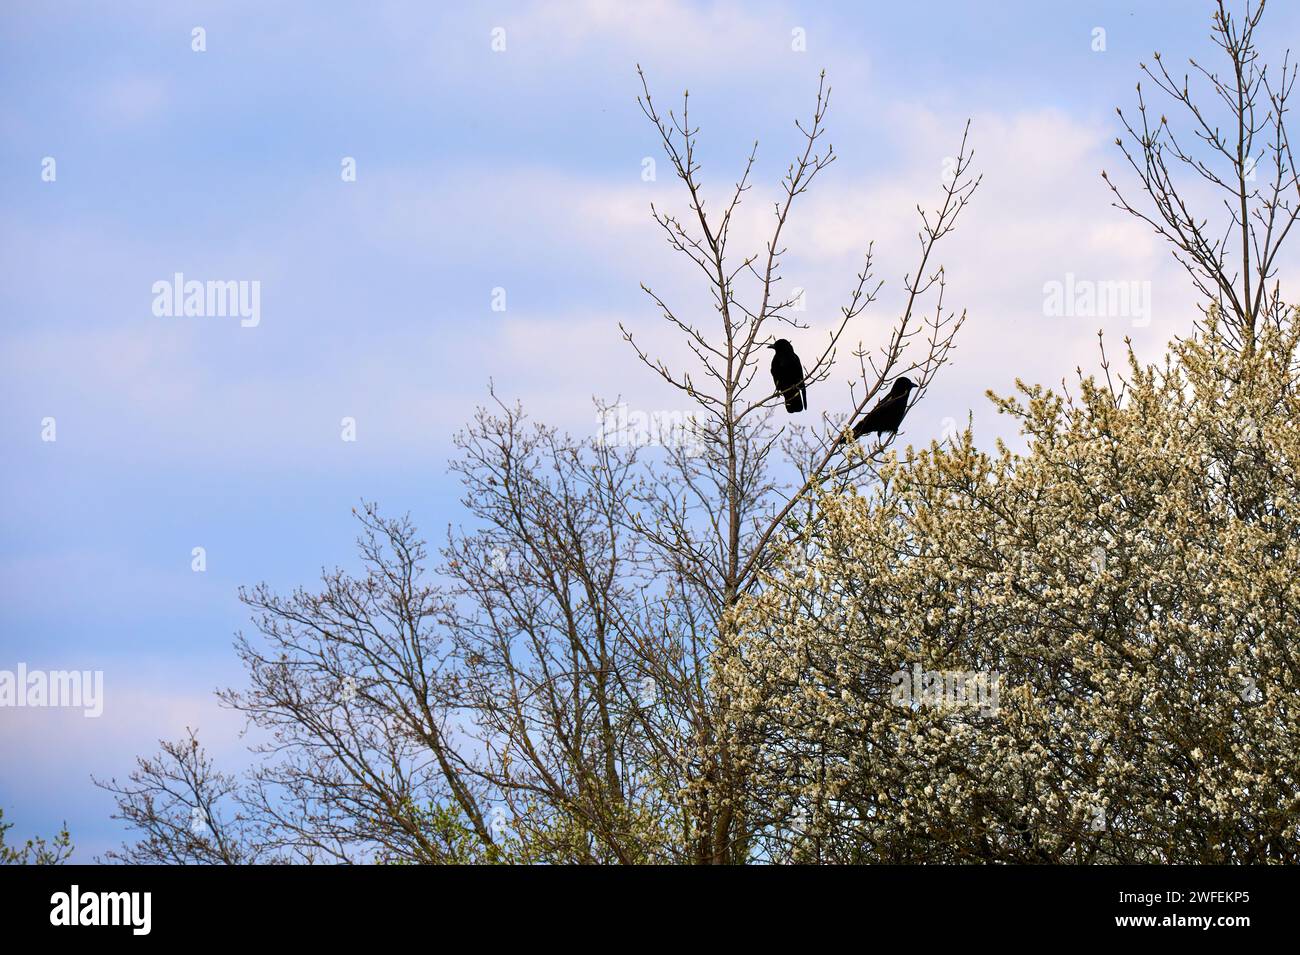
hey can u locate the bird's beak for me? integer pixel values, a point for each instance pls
(769, 346)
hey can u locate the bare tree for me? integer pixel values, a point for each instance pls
(185, 811)
(351, 693)
(353, 683)
(543, 598)
(484, 720)
(1238, 146)
(551, 696)
(711, 517)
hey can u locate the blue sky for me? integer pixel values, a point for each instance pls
(476, 169)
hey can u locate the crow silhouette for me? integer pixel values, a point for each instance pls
(888, 414)
(787, 373)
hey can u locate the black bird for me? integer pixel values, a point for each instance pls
(888, 414)
(787, 373)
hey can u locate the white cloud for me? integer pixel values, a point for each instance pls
(1042, 212)
(672, 35)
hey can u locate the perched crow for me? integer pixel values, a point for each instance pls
(888, 414)
(787, 373)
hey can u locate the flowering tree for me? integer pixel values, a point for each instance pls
(1086, 652)
(1129, 585)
